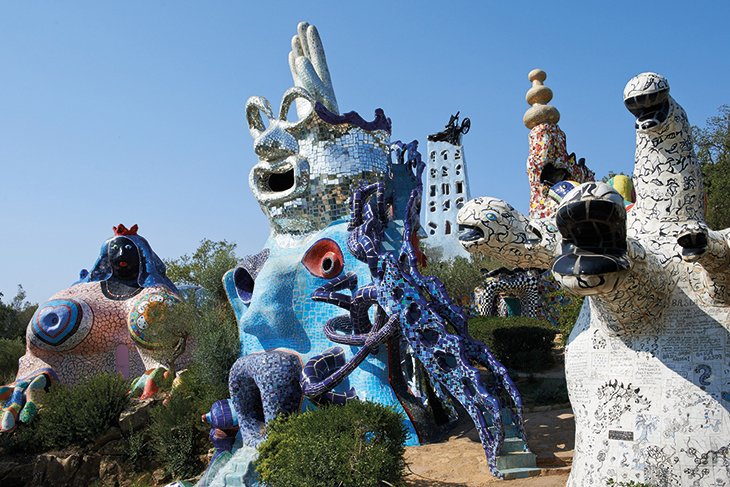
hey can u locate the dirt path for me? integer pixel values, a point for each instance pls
(459, 461)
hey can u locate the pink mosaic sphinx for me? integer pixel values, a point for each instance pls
(647, 361)
(95, 326)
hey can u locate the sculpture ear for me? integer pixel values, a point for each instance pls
(305, 104)
(254, 106)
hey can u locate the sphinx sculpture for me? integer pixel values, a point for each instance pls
(647, 362)
(97, 325)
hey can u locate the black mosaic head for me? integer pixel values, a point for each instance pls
(124, 259)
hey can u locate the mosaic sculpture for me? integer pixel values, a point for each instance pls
(531, 288)
(648, 356)
(307, 172)
(418, 309)
(97, 325)
(549, 162)
(646, 364)
(325, 184)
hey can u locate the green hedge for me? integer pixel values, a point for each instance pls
(356, 445)
(518, 342)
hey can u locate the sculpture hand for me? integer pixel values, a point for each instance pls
(22, 400)
(694, 241)
(147, 386)
(309, 69)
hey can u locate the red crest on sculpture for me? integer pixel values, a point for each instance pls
(122, 230)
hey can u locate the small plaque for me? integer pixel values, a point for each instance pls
(621, 435)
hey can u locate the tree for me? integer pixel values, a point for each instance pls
(459, 275)
(712, 146)
(205, 267)
(15, 315)
(206, 314)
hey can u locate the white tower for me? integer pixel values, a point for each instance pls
(446, 188)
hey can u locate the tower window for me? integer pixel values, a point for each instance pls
(432, 190)
(459, 203)
(445, 188)
(447, 205)
(445, 154)
(458, 154)
(447, 227)
(433, 172)
(460, 186)
(444, 172)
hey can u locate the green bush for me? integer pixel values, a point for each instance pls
(135, 447)
(78, 415)
(174, 435)
(630, 483)
(214, 325)
(518, 342)
(552, 392)
(10, 352)
(27, 438)
(567, 317)
(356, 445)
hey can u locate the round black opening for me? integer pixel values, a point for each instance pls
(281, 181)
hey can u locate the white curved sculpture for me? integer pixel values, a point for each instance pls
(647, 362)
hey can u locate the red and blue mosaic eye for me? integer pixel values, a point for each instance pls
(324, 259)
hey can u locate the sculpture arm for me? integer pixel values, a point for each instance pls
(22, 398)
(706, 247)
(626, 281)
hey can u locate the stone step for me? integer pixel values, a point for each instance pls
(510, 431)
(512, 460)
(520, 473)
(513, 445)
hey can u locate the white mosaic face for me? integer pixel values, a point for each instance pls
(493, 227)
(308, 168)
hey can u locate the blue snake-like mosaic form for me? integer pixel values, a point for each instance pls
(415, 307)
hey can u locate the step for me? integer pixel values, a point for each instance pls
(514, 444)
(516, 460)
(519, 473)
(510, 431)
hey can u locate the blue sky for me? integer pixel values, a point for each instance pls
(133, 112)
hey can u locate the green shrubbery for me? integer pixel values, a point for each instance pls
(630, 483)
(519, 343)
(214, 325)
(355, 445)
(568, 316)
(552, 391)
(71, 416)
(173, 431)
(10, 352)
(78, 415)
